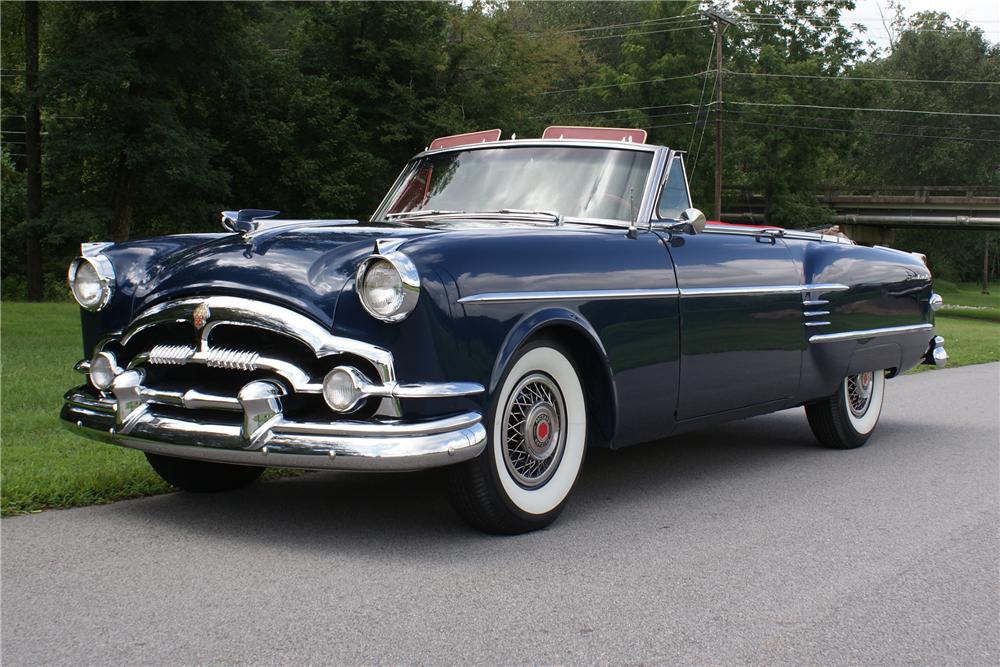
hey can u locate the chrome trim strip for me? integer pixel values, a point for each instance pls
(437, 389)
(762, 289)
(588, 295)
(797, 234)
(815, 302)
(570, 295)
(815, 313)
(649, 191)
(816, 324)
(869, 333)
(381, 428)
(741, 291)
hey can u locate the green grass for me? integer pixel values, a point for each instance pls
(42, 465)
(971, 302)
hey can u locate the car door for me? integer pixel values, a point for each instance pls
(740, 311)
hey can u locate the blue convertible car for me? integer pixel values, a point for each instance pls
(508, 305)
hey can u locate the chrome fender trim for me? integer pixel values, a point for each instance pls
(869, 333)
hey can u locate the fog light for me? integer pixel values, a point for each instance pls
(103, 370)
(344, 388)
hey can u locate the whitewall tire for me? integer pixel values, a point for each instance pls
(847, 419)
(538, 436)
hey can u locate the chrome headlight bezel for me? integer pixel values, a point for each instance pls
(105, 272)
(409, 284)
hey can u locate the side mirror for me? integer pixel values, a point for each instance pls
(695, 219)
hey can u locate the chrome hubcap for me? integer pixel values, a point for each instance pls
(859, 392)
(533, 430)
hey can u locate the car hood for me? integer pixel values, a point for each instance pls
(303, 268)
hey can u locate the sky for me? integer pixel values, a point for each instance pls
(984, 14)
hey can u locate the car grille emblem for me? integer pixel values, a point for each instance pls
(200, 316)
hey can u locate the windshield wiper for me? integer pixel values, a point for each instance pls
(420, 214)
(555, 215)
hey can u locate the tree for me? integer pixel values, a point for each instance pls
(134, 85)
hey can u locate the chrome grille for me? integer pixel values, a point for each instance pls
(172, 355)
(177, 355)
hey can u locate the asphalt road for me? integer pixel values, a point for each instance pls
(746, 543)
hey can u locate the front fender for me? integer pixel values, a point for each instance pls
(533, 323)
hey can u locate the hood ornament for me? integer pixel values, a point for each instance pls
(200, 316)
(244, 221)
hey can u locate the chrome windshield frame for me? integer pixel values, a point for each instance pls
(643, 211)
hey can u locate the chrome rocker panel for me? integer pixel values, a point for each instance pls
(383, 445)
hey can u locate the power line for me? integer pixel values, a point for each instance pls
(624, 83)
(651, 32)
(864, 131)
(863, 78)
(608, 111)
(851, 120)
(683, 18)
(820, 106)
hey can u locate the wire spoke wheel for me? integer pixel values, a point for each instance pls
(859, 392)
(533, 430)
(847, 418)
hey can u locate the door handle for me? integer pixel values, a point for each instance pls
(769, 235)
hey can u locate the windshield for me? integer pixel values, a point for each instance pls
(574, 182)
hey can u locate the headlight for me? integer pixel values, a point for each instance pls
(103, 370)
(388, 286)
(92, 280)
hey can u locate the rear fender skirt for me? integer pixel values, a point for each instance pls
(539, 320)
(876, 357)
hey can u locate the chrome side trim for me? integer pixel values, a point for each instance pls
(741, 291)
(762, 289)
(815, 302)
(436, 389)
(815, 313)
(589, 295)
(570, 295)
(816, 324)
(869, 333)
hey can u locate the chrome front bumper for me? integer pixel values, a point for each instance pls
(379, 444)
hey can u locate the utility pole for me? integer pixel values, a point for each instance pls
(33, 154)
(721, 21)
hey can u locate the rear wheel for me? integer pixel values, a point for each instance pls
(537, 438)
(847, 419)
(203, 476)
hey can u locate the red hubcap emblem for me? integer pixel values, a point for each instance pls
(542, 431)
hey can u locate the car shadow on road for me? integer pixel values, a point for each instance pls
(336, 511)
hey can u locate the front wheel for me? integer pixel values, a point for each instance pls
(203, 476)
(847, 419)
(537, 439)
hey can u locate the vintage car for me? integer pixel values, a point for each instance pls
(510, 304)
